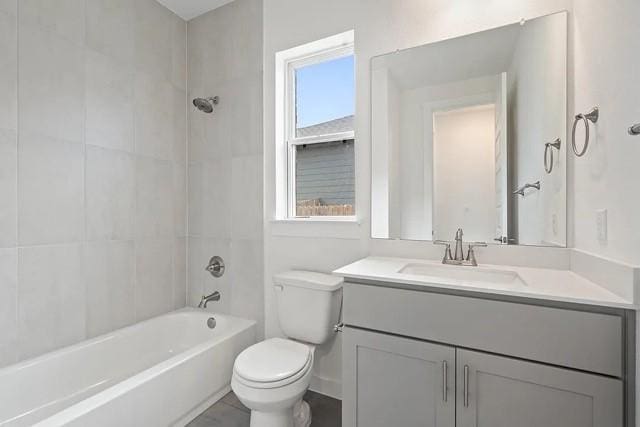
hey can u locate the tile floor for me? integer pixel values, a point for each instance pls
(229, 412)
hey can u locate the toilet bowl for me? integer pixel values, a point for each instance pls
(272, 376)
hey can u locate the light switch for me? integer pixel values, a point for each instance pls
(601, 224)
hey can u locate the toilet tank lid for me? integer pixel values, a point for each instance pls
(309, 280)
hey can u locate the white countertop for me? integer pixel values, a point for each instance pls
(540, 283)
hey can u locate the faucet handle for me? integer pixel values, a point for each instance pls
(447, 249)
(477, 244)
(471, 255)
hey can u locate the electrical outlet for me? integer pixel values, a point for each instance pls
(601, 224)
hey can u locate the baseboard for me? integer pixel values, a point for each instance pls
(328, 387)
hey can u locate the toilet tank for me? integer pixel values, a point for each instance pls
(308, 304)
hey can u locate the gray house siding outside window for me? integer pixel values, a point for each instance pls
(325, 172)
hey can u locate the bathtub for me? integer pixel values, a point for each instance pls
(160, 372)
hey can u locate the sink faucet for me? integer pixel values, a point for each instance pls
(206, 298)
(458, 258)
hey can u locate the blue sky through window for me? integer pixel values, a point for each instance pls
(325, 91)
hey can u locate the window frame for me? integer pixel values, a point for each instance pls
(291, 141)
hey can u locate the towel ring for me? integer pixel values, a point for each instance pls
(548, 158)
(590, 116)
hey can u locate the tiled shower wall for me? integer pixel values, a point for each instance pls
(225, 158)
(92, 169)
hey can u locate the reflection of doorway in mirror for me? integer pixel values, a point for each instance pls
(464, 166)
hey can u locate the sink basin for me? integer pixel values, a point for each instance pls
(465, 276)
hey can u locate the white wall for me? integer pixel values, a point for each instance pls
(225, 158)
(606, 67)
(603, 66)
(536, 101)
(380, 27)
(464, 172)
(92, 169)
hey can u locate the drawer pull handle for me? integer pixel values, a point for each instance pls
(465, 387)
(444, 380)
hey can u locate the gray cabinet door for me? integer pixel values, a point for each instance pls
(505, 392)
(393, 381)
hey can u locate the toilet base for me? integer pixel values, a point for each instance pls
(298, 416)
(302, 414)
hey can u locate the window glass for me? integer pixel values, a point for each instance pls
(324, 94)
(325, 179)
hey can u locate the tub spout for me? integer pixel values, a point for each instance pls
(206, 298)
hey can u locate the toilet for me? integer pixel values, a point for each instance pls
(271, 377)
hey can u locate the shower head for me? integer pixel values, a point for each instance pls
(205, 104)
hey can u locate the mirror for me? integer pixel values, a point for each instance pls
(460, 131)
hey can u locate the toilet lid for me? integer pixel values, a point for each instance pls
(272, 360)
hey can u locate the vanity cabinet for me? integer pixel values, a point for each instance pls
(396, 381)
(415, 358)
(494, 391)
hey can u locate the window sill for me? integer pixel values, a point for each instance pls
(332, 227)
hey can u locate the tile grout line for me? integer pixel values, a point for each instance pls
(17, 187)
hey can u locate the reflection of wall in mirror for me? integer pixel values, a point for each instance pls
(416, 152)
(536, 87)
(464, 172)
(384, 160)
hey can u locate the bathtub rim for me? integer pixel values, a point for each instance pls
(85, 406)
(109, 335)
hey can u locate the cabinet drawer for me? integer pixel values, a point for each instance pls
(576, 339)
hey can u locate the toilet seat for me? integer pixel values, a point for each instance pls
(273, 363)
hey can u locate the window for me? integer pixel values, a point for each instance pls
(319, 107)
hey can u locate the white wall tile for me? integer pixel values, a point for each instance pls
(152, 37)
(154, 206)
(247, 293)
(51, 298)
(179, 126)
(154, 131)
(216, 198)
(110, 28)
(65, 18)
(195, 287)
(8, 305)
(178, 52)
(210, 199)
(8, 188)
(109, 279)
(8, 70)
(50, 190)
(246, 205)
(179, 272)
(93, 155)
(51, 84)
(154, 277)
(245, 123)
(10, 7)
(179, 200)
(109, 102)
(110, 194)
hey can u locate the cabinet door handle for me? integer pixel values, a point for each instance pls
(444, 380)
(465, 386)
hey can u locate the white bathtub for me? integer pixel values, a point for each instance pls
(160, 372)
